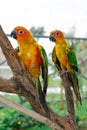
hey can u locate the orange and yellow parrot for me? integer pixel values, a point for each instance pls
(34, 59)
(65, 57)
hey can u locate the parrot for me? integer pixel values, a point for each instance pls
(64, 56)
(34, 58)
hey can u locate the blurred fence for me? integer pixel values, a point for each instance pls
(70, 38)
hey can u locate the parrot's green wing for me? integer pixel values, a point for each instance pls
(74, 79)
(44, 55)
(72, 58)
(44, 68)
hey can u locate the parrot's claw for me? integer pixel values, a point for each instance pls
(17, 49)
(62, 72)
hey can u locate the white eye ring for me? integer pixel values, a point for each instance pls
(57, 33)
(20, 31)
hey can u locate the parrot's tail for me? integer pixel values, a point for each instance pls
(75, 86)
(41, 97)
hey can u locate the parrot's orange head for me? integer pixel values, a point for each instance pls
(21, 34)
(56, 36)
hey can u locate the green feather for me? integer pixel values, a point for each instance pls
(44, 55)
(72, 58)
(44, 68)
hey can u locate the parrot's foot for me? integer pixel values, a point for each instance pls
(17, 49)
(62, 72)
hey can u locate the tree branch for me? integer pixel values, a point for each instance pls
(9, 86)
(68, 92)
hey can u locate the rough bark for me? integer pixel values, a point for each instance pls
(21, 84)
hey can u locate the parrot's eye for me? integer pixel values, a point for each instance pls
(57, 33)
(20, 31)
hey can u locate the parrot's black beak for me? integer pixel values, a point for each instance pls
(52, 38)
(13, 34)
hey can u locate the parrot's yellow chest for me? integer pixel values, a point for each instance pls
(61, 54)
(31, 57)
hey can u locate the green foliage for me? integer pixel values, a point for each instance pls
(56, 108)
(39, 126)
(54, 82)
(81, 111)
(37, 31)
(81, 116)
(13, 120)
